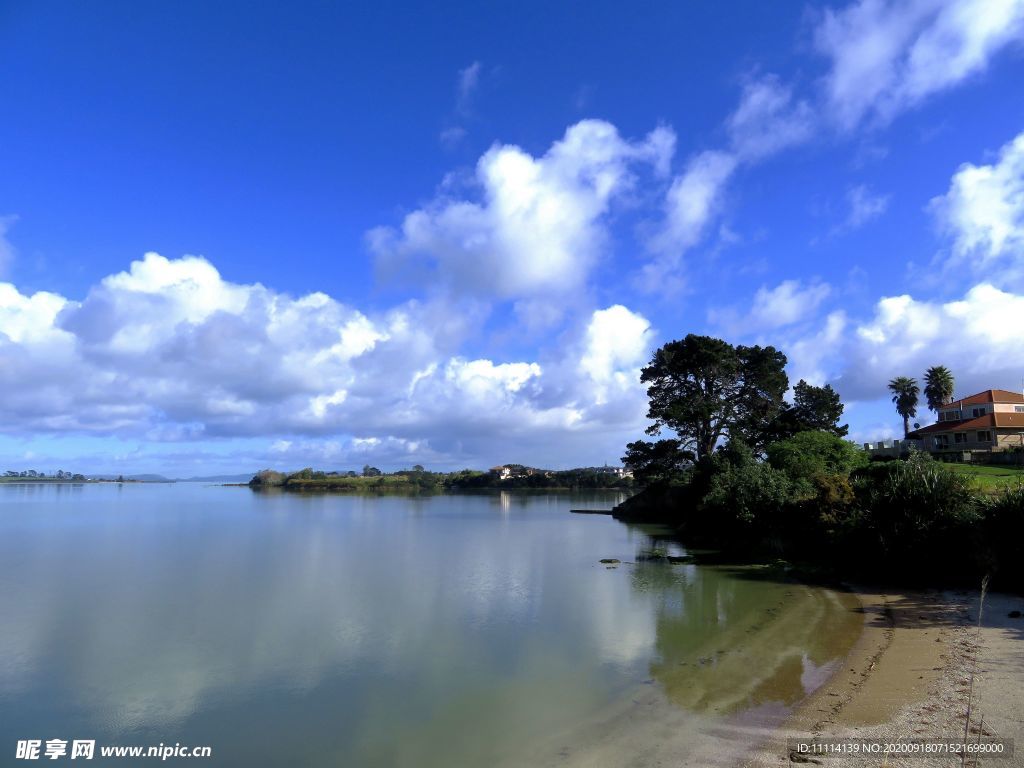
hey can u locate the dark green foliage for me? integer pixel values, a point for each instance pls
(705, 389)
(938, 387)
(814, 496)
(813, 409)
(744, 493)
(905, 393)
(658, 462)
(1003, 528)
(806, 455)
(369, 471)
(914, 517)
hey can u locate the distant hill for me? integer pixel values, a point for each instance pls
(218, 478)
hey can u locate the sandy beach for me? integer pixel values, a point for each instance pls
(909, 677)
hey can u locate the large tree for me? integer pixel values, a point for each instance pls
(905, 394)
(814, 409)
(704, 390)
(657, 462)
(938, 387)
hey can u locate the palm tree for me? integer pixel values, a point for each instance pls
(938, 387)
(905, 392)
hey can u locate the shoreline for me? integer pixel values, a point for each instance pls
(908, 677)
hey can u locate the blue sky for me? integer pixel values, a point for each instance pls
(452, 235)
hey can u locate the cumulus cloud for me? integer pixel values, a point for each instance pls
(977, 337)
(538, 225)
(768, 119)
(811, 355)
(887, 56)
(690, 203)
(983, 213)
(170, 350)
(617, 343)
(787, 303)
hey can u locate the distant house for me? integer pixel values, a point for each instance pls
(503, 472)
(987, 423)
(617, 471)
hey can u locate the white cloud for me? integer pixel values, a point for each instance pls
(693, 197)
(887, 56)
(788, 303)
(768, 119)
(864, 206)
(29, 318)
(983, 213)
(169, 350)
(616, 345)
(809, 357)
(539, 225)
(692, 200)
(978, 337)
(469, 81)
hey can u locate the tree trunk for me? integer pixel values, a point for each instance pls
(906, 427)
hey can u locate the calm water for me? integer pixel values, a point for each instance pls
(357, 631)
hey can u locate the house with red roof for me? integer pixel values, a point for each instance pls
(988, 422)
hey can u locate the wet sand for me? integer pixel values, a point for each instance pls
(713, 694)
(908, 676)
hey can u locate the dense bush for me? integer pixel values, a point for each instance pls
(268, 478)
(807, 455)
(1002, 547)
(914, 500)
(815, 499)
(914, 518)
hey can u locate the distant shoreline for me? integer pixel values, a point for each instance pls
(87, 481)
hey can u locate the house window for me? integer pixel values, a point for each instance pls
(984, 436)
(1019, 408)
(942, 441)
(978, 412)
(960, 437)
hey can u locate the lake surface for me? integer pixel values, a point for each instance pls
(335, 630)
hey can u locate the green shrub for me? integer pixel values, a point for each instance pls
(268, 478)
(749, 495)
(914, 512)
(807, 455)
(1003, 543)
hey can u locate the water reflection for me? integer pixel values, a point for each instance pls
(731, 639)
(365, 630)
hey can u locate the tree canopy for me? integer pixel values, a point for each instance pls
(814, 409)
(656, 462)
(705, 390)
(905, 394)
(938, 387)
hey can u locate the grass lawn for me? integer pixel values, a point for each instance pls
(990, 477)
